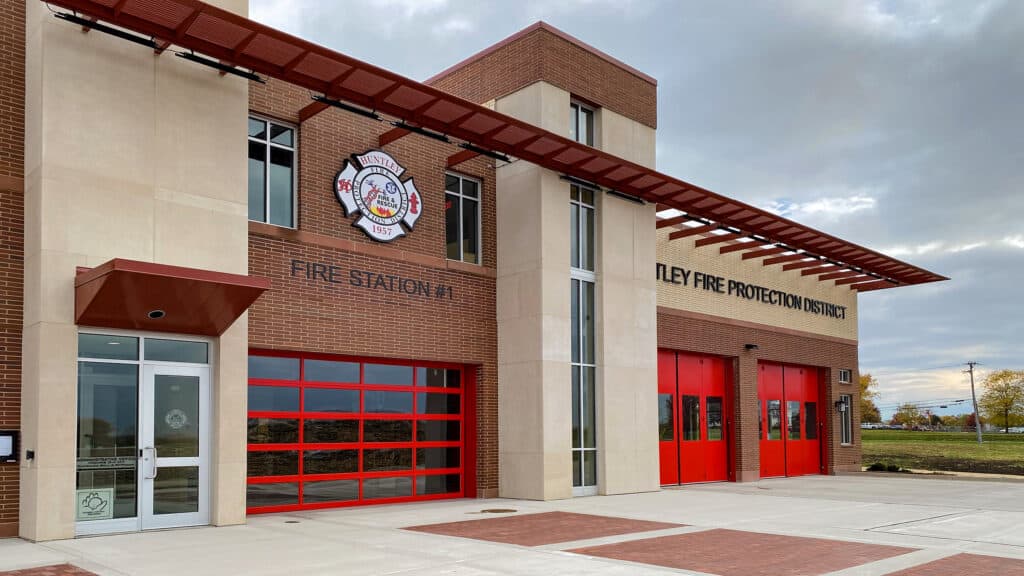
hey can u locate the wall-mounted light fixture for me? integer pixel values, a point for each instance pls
(750, 347)
(840, 406)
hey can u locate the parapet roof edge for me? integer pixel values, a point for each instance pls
(541, 25)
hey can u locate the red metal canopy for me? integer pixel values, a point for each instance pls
(124, 293)
(237, 41)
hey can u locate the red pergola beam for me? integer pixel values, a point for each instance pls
(735, 247)
(460, 157)
(692, 231)
(782, 259)
(876, 285)
(801, 265)
(664, 222)
(819, 270)
(392, 135)
(310, 110)
(764, 252)
(854, 279)
(710, 240)
(838, 275)
(226, 37)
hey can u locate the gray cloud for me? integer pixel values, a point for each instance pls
(894, 124)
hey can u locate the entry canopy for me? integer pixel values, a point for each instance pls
(136, 295)
(229, 40)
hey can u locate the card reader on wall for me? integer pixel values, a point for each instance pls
(8, 445)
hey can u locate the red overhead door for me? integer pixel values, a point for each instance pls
(693, 427)
(668, 418)
(790, 423)
(327, 432)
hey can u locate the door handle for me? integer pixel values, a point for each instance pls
(154, 468)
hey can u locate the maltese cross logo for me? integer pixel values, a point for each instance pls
(370, 185)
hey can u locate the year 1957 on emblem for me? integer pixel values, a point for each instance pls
(370, 185)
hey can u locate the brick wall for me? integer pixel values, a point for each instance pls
(12, 232)
(540, 53)
(313, 315)
(692, 332)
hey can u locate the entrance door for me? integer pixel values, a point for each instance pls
(692, 418)
(790, 427)
(174, 446)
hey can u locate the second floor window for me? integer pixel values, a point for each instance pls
(271, 172)
(462, 218)
(581, 124)
(581, 233)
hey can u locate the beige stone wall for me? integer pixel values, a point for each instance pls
(534, 400)
(627, 371)
(534, 319)
(624, 138)
(135, 156)
(683, 253)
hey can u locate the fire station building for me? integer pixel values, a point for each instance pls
(243, 273)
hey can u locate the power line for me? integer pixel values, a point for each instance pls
(923, 404)
(903, 370)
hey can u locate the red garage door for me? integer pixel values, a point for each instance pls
(790, 425)
(693, 426)
(327, 432)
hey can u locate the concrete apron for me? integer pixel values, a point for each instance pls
(939, 518)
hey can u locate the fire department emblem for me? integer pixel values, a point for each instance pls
(370, 185)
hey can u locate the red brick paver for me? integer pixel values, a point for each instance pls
(55, 570)
(543, 528)
(737, 553)
(972, 564)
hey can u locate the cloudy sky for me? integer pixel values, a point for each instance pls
(898, 125)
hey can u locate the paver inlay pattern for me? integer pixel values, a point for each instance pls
(739, 553)
(973, 564)
(543, 528)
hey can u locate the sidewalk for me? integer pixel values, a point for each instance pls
(840, 525)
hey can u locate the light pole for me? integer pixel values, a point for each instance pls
(974, 398)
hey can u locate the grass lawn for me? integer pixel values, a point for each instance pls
(950, 451)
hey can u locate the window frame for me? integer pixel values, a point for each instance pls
(479, 217)
(579, 272)
(846, 421)
(576, 108)
(578, 279)
(845, 376)
(294, 149)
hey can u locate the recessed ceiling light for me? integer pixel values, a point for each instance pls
(113, 343)
(156, 314)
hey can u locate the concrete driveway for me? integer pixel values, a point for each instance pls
(840, 525)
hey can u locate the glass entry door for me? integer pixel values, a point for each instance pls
(174, 451)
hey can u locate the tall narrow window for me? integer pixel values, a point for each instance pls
(846, 418)
(581, 124)
(584, 413)
(271, 172)
(462, 218)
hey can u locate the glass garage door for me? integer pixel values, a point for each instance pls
(326, 432)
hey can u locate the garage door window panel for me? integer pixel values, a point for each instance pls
(326, 432)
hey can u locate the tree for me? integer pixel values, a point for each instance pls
(936, 420)
(868, 393)
(1002, 402)
(969, 421)
(907, 414)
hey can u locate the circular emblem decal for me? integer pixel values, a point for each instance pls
(370, 185)
(176, 419)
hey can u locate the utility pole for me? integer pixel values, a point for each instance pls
(977, 418)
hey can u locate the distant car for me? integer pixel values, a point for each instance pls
(1017, 429)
